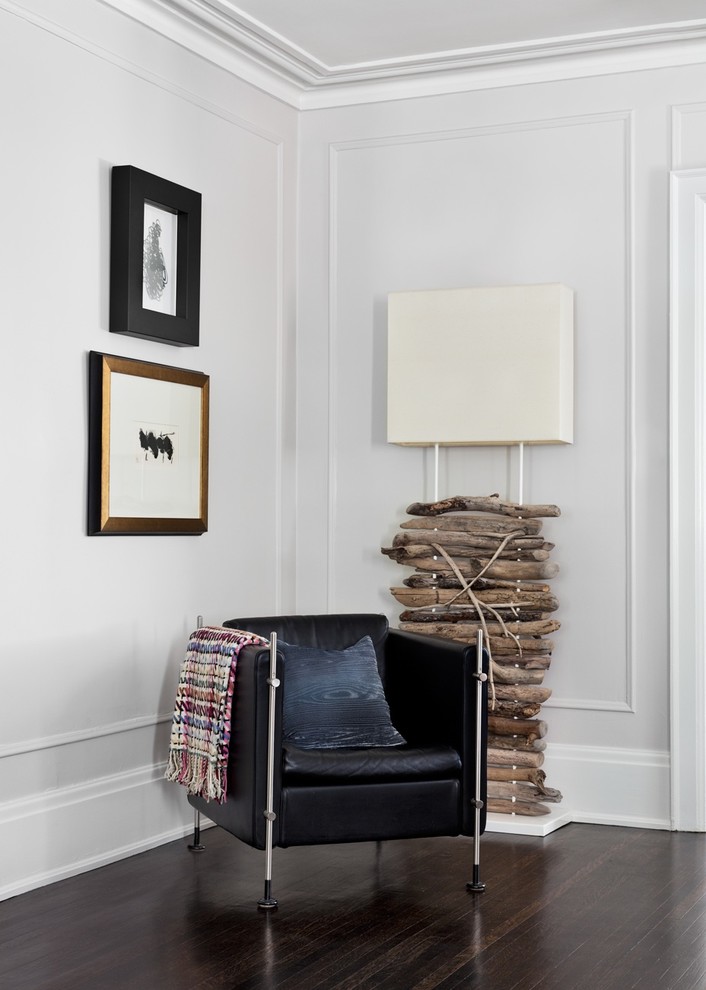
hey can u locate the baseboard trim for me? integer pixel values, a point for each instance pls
(546, 824)
(600, 786)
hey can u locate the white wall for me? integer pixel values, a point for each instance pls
(560, 181)
(94, 629)
(564, 181)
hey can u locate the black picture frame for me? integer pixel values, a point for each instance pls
(148, 443)
(172, 317)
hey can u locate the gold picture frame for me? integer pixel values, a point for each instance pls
(148, 448)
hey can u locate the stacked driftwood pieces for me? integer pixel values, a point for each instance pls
(483, 563)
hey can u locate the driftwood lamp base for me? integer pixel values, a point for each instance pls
(483, 563)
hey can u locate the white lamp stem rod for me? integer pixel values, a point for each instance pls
(436, 472)
(521, 485)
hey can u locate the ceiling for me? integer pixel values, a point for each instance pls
(295, 47)
(339, 35)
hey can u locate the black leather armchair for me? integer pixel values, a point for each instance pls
(434, 785)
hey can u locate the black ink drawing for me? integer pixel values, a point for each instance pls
(157, 444)
(154, 271)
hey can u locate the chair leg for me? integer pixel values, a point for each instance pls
(196, 845)
(475, 886)
(268, 902)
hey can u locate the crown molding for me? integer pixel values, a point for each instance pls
(220, 32)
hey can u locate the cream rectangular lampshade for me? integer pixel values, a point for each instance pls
(490, 365)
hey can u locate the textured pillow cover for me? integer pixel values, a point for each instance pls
(335, 699)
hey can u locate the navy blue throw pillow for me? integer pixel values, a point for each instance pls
(335, 698)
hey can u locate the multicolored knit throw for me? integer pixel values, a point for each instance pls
(200, 737)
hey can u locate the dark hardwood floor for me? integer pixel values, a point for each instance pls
(587, 908)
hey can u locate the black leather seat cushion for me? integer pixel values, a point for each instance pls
(377, 763)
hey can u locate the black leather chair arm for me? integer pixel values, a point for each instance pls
(431, 687)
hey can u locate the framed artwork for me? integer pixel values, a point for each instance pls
(148, 448)
(155, 258)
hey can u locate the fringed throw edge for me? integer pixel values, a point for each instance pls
(200, 733)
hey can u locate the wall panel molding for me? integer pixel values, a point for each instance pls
(82, 735)
(624, 118)
(279, 386)
(683, 123)
(688, 499)
(592, 704)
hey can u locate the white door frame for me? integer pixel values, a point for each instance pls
(687, 500)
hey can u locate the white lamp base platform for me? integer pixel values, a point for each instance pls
(526, 824)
